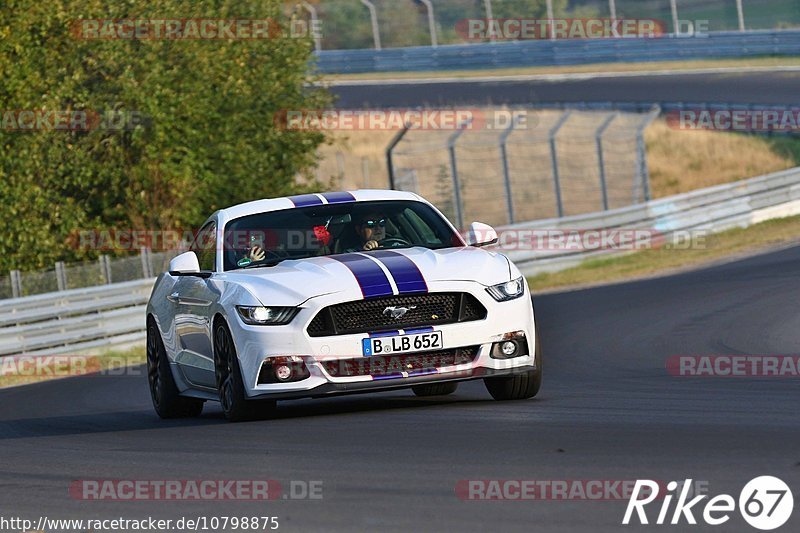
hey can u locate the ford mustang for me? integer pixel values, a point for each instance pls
(322, 294)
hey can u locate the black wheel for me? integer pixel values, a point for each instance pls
(232, 395)
(167, 401)
(435, 389)
(520, 386)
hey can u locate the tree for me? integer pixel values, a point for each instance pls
(201, 131)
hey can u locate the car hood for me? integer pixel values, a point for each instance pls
(294, 282)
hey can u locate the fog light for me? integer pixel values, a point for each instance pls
(283, 369)
(283, 372)
(509, 348)
(509, 345)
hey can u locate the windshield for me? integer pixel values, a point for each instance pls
(266, 239)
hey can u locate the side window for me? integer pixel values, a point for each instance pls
(425, 231)
(205, 246)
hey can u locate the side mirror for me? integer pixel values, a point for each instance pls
(480, 234)
(187, 264)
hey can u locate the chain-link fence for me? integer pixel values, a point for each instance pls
(362, 24)
(560, 163)
(104, 270)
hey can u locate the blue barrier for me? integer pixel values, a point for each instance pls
(715, 45)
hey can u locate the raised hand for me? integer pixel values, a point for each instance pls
(257, 253)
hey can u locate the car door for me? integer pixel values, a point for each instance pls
(193, 297)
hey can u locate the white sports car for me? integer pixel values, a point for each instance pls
(332, 293)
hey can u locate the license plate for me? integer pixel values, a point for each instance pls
(417, 342)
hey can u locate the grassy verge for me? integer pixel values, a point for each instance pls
(731, 243)
(578, 69)
(31, 369)
(682, 160)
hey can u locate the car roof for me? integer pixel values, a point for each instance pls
(290, 202)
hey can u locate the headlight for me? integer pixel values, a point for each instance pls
(266, 316)
(508, 290)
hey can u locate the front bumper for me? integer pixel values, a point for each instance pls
(342, 388)
(255, 345)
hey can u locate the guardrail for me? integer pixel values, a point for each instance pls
(714, 209)
(714, 45)
(79, 319)
(109, 315)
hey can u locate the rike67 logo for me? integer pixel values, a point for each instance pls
(765, 503)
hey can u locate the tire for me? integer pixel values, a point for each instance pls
(167, 400)
(435, 389)
(232, 395)
(520, 386)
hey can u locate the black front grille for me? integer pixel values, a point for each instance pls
(395, 364)
(368, 316)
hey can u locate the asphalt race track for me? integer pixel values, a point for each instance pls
(608, 411)
(775, 88)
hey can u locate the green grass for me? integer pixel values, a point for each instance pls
(727, 244)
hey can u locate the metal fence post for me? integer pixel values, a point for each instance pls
(674, 8)
(389, 149)
(340, 164)
(312, 11)
(61, 276)
(431, 23)
(554, 160)
(551, 16)
(147, 267)
(612, 9)
(373, 15)
(601, 159)
(641, 153)
(506, 171)
(105, 268)
(740, 12)
(365, 171)
(487, 5)
(108, 270)
(16, 284)
(451, 147)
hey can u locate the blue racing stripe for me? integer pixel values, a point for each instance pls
(417, 330)
(305, 200)
(387, 376)
(405, 272)
(423, 372)
(370, 276)
(338, 197)
(385, 334)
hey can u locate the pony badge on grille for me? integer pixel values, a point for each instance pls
(397, 312)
